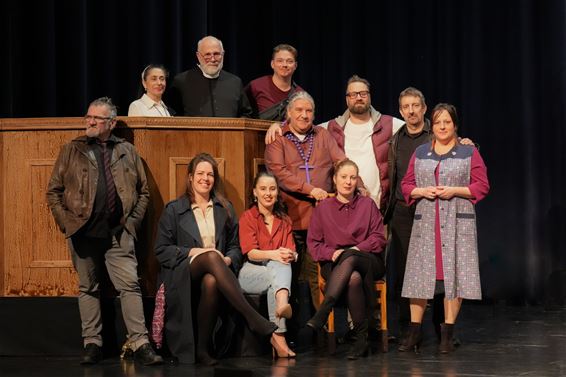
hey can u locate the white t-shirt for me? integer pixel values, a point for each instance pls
(358, 147)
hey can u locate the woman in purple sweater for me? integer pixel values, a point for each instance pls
(346, 237)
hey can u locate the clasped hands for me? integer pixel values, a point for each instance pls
(433, 192)
(285, 255)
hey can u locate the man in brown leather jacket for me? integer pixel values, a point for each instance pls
(98, 195)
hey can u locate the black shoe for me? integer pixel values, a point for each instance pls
(361, 347)
(321, 316)
(147, 356)
(92, 354)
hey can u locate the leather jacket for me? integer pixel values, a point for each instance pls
(72, 187)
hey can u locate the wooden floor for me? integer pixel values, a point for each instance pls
(496, 341)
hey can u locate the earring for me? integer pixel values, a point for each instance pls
(255, 198)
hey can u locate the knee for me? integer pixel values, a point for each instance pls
(208, 284)
(355, 280)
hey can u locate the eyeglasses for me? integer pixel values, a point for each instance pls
(96, 118)
(210, 55)
(354, 95)
(283, 61)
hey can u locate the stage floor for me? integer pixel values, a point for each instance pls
(496, 341)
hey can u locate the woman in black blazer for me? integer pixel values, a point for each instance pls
(198, 248)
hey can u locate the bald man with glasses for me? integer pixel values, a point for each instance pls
(207, 90)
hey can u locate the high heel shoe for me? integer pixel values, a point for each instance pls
(413, 340)
(286, 311)
(280, 350)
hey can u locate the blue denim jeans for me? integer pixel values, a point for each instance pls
(268, 278)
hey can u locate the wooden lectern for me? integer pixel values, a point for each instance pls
(34, 257)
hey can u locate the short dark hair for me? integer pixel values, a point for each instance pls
(357, 78)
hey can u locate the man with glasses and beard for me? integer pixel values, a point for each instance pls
(207, 90)
(363, 133)
(98, 195)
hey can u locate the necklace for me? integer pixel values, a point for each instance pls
(297, 142)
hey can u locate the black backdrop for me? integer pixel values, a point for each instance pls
(502, 63)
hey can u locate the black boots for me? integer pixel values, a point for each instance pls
(361, 346)
(321, 316)
(92, 354)
(446, 338)
(413, 339)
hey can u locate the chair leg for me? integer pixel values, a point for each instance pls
(385, 341)
(381, 288)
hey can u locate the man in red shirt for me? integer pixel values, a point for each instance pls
(269, 94)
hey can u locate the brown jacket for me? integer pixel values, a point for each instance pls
(72, 187)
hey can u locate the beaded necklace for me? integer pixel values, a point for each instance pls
(297, 142)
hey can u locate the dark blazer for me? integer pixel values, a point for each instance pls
(177, 233)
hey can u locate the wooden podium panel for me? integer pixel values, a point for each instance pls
(34, 258)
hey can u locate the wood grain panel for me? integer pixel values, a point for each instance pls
(34, 258)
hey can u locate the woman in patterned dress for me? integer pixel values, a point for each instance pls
(446, 179)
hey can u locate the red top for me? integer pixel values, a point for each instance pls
(255, 235)
(263, 93)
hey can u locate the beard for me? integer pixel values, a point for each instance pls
(212, 70)
(92, 132)
(359, 108)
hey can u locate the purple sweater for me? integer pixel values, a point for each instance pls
(336, 225)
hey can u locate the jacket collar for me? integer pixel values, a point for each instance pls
(427, 128)
(342, 119)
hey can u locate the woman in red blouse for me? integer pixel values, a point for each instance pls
(346, 237)
(266, 240)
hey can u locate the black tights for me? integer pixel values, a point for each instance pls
(210, 272)
(350, 273)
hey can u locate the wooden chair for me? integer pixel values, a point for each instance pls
(381, 300)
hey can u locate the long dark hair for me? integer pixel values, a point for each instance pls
(217, 191)
(279, 208)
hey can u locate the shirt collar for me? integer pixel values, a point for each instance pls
(149, 103)
(351, 204)
(210, 204)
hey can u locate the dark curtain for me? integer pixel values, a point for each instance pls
(502, 63)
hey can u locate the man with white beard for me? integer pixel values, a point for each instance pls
(207, 90)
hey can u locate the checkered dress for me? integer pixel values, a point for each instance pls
(457, 229)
